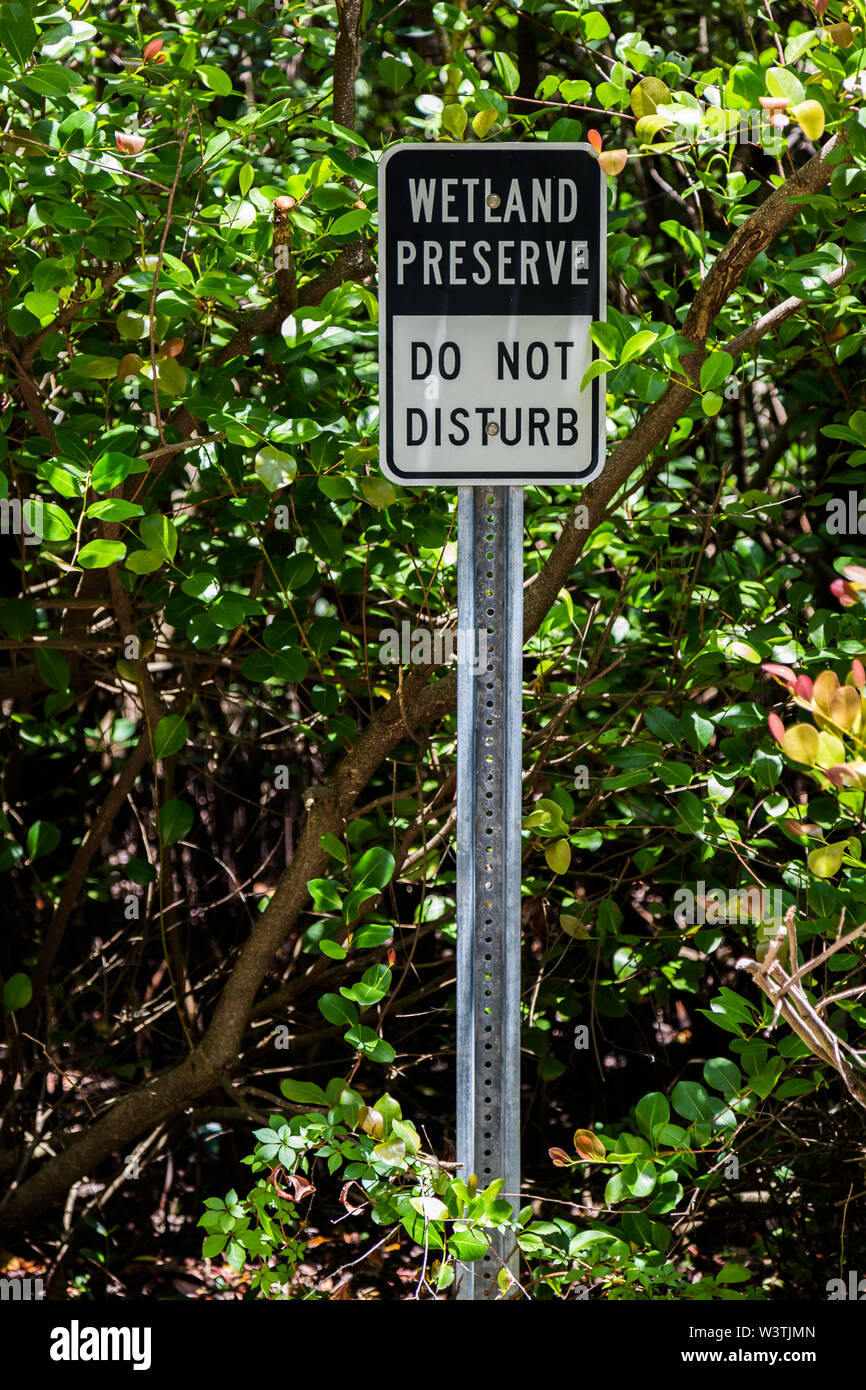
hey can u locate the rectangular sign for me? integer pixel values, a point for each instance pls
(492, 266)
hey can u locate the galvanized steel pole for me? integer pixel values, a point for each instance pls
(489, 766)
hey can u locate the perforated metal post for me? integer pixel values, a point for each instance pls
(489, 760)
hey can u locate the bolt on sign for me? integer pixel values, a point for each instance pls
(492, 268)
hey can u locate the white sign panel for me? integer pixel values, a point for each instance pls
(492, 268)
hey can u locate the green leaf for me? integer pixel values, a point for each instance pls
(691, 1101)
(508, 73)
(114, 509)
(652, 1110)
(391, 1152)
(215, 79)
(595, 369)
(337, 1010)
(332, 950)
(143, 562)
(98, 555)
(467, 1246)
(374, 869)
(303, 1092)
(781, 82)
(715, 369)
(158, 533)
(53, 668)
(690, 812)
(17, 31)
(637, 345)
(640, 1177)
(274, 468)
(100, 368)
(170, 735)
(394, 73)
(112, 469)
(723, 1075)
(42, 838)
(42, 306)
(325, 895)
(334, 846)
(595, 26)
(17, 617)
(663, 724)
(370, 1044)
(431, 1208)
(17, 992)
(175, 821)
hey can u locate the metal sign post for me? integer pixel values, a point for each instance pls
(489, 761)
(491, 271)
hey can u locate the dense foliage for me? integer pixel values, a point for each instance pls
(227, 823)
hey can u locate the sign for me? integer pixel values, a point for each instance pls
(492, 268)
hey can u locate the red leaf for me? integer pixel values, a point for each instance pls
(782, 673)
(129, 144)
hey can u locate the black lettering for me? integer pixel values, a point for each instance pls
(485, 411)
(455, 354)
(562, 423)
(531, 351)
(563, 355)
(460, 425)
(538, 420)
(423, 435)
(418, 374)
(503, 359)
(503, 416)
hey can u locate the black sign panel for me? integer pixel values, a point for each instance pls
(492, 267)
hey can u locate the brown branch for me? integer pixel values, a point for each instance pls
(346, 61)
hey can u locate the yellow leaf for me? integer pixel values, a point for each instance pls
(810, 117)
(454, 120)
(845, 707)
(483, 123)
(648, 127)
(831, 750)
(649, 93)
(801, 743)
(825, 686)
(826, 859)
(558, 856)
